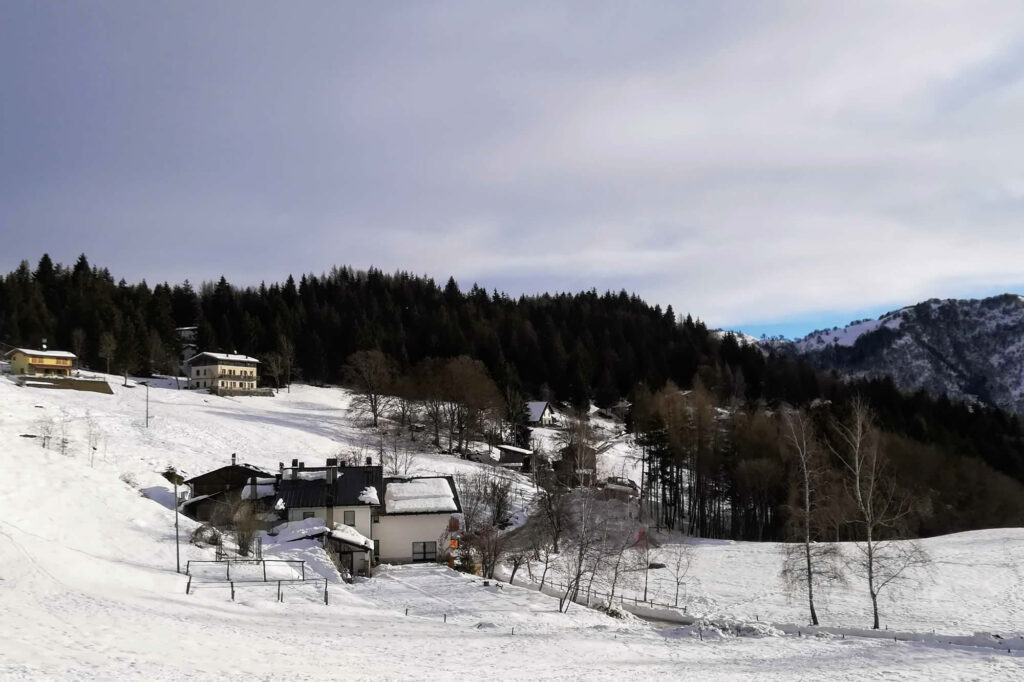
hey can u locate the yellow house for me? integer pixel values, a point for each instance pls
(41, 362)
(222, 371)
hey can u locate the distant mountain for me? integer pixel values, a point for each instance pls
(965, 349)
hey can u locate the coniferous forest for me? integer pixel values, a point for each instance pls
(967, 462)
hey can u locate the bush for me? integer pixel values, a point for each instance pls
(206, 535)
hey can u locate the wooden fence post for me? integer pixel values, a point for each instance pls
(232, 591)
(188, 586)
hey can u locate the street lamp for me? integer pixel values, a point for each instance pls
(174, 477)
(146, 384)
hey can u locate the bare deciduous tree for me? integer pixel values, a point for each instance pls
(807, 562)
(273, 367)
(678, 560)
(246, 526)
(45, 428)
(619, 561)
(489, 543)
(107, 348)
(371, 374)
(395, 457)
(78, 341)
(884, 555)
(287, 350)
(582, 557)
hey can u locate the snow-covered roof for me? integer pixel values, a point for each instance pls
(512, 448)
(419, 496)
(223, 357)
(193, 500)
(536, 409)
(44, 353)
(369, 496)
(350, 535)
(314, 475)
(262, 490)
(299, 530)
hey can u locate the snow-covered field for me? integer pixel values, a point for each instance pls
(88, 588)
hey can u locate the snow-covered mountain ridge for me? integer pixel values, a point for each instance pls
(969, 349)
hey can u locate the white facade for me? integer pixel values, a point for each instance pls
(540, 412)
(222, 371)
(393, 536)
(361, 515)
(396, 535)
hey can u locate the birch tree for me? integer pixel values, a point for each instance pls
(806, 562)
(883, 555)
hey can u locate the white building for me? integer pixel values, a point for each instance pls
(419, 512)
(404, 520)
(225, 372)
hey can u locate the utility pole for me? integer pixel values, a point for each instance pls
(174, 477)
(146, 384)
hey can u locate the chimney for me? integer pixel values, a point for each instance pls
(302, 465)
(232, 459)
(332, 461)
(369, 461)
(329, 496)
(280, 466)
(295, 463)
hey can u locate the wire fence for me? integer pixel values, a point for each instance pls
(592, 596)
(280, 587)
(229, 562)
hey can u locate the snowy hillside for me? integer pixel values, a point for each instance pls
(965, 349)
(88, 588)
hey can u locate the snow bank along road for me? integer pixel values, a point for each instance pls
(88, 588)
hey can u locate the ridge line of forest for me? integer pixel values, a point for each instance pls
(568, 347)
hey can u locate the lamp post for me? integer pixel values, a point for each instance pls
(174, 477)
(146, 384)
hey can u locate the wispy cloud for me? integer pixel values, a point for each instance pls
(747, 162)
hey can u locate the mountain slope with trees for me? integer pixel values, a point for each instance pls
(718, 461)
(969, 350)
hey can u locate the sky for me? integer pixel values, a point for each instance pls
(768, 167)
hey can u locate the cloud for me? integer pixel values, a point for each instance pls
(742, 161)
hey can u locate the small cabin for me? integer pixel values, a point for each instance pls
(540, 413)
(517, 459)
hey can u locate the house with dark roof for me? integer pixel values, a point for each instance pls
(360, 516)
(214, 495)
(540, 413)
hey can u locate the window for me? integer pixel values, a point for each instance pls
(424, 551)
(376, 550)
(350, 518)
(376, 518)
(307, 515)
